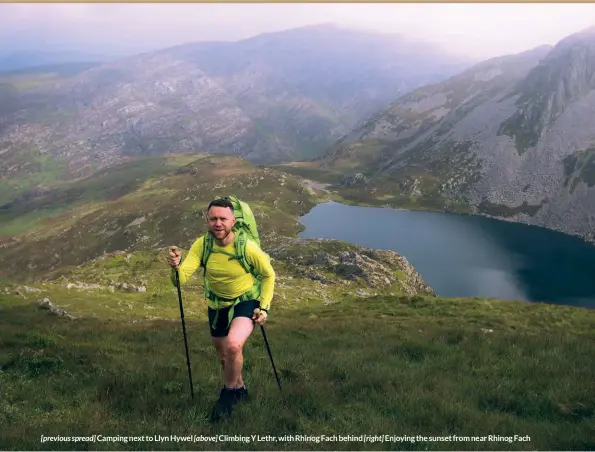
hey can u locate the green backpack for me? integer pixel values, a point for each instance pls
(245, 228)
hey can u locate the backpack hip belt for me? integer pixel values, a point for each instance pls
(251, 294)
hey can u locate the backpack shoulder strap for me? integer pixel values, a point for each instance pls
(207, 249)
(240, 241)
(240, 244)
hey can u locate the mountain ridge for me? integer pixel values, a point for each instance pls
(268, 98)
(512, 143)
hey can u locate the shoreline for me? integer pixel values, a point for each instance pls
(320, 186)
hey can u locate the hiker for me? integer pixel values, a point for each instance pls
(236, 298)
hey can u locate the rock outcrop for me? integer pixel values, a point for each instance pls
(332, 261)
(46, 303)
(511, 138)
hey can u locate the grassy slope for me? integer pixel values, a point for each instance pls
(398, 366)
(387, 364)
(48, 70)
(25, 167)
(381, 191)
(34, 170)
(143, 204)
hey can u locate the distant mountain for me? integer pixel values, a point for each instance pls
(24, 60)
(512, 137)
(57, 69)
(276, 96)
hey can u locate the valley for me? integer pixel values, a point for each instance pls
(104, 166)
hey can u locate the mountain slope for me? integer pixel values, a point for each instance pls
(107, 327)
(141, 204)
(510, 137)
(113, 362)
(18, 61)
(275, 96)
(349, 327)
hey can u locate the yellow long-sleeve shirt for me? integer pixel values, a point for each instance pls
(227, 278)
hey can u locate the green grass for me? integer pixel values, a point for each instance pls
(392, 364)
(40, 170)
(501, 210)
(306, 132)
(391, 174)
(385, 366)
(364, 156)
(129, 180)
(309, 171)
(54, 70)
(142, 205)
(383, 191)
(580, 167)
(524, 129)
(12, 225)
(535, 111)
(25, 81)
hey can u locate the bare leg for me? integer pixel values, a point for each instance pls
(220, 344)
(230, 353)
(240, 330)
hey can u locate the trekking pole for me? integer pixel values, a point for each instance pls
(184, 330)
(270, 355)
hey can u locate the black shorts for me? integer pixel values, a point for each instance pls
(242, 309)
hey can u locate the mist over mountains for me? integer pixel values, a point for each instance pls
(508, 137)
(274, 97)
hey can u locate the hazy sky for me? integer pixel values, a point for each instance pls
(476, 30)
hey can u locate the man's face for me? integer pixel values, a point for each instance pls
(221, 220)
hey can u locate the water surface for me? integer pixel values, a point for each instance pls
(469, 256)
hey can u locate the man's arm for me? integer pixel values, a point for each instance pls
(262, 263)
(190, 264)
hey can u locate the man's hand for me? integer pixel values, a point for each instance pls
(173, 257)
(259, 316)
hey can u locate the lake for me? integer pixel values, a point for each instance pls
(469, 256)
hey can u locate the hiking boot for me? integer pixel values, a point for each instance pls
(241, 394)
(224, 405)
